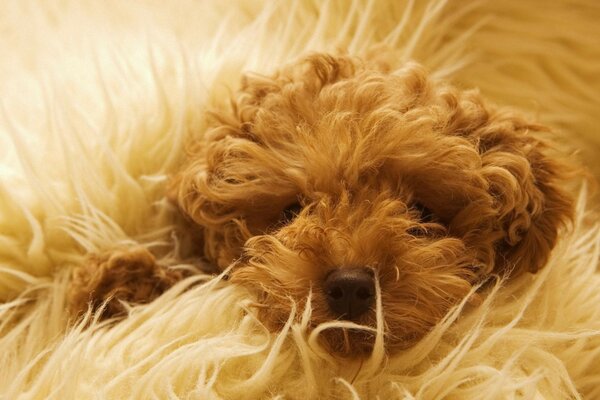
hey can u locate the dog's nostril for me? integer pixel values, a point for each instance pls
(336, 293)
(350, 291)
(363, 293)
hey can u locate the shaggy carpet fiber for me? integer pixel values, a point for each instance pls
(96, 100)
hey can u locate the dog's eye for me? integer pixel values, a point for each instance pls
(425, 214)
(290, 212)
(426, 221)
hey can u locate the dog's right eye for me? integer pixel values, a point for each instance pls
(290, 213)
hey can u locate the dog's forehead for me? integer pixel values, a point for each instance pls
(369, 132)
(351, 145)
(404, 153)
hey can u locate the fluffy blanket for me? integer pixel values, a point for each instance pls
(96, 99)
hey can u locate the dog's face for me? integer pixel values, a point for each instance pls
(337, 180)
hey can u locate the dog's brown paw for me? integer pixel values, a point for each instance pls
(130, 276)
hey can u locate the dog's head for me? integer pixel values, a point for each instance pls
(336, 178)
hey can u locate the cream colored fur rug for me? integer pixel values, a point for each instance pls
(96, 98)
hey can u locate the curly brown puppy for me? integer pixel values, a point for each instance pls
(341, 179)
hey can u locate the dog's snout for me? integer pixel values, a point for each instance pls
(350, 292)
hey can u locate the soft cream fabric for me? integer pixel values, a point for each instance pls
(96, 98)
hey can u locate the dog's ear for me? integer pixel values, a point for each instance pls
(234, 148)
(529, 185)
(232, 170)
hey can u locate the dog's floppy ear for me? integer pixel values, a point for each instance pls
(528, 185)
(233, 149)
(232, 170)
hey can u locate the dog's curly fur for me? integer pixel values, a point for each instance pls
(108, 281)
(426, 184)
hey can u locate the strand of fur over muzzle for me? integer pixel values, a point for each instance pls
(96, 99)
(538, 337)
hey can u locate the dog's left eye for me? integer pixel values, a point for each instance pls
(425, 214)
(290, 213)
(426, 218)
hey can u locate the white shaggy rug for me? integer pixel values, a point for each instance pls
(96, 98)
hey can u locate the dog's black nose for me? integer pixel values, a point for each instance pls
(350, 291)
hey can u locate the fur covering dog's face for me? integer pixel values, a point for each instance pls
(335, 163)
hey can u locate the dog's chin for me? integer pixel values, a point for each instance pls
(348, 342)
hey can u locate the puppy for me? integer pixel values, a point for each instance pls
(340, 179)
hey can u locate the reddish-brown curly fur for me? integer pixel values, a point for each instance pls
(109, 280)
(362, 149)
